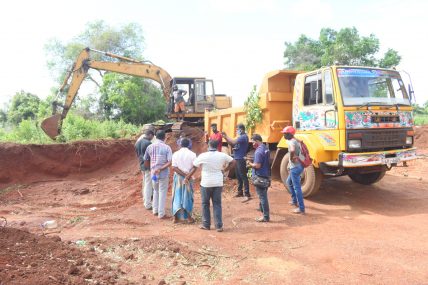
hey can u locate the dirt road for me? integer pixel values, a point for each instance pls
(350, 235)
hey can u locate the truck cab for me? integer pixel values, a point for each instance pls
(356, 121)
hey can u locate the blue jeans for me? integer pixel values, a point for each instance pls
(293, 183)
(264, 203)
(241, 174)
(213, 193)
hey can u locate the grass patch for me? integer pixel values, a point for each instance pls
(421, 119)
(76, 220)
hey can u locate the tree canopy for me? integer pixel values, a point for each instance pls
(23, 106)
(345, 47)
(126, 40)
(132, 99)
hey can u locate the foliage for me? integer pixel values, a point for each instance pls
(22, 107)
(132, 99)
(253, 109)
(74, 128)
(421, 119)
(345, 47)
(126, 40)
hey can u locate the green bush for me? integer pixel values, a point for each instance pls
(421, 119)
(74, 128)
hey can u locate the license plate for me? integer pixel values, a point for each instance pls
(391, 160)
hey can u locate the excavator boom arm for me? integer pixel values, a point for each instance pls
(52, 125)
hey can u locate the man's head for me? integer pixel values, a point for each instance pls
(174, 87)
(160, 135)
(240, 128)
(184, 142)
(149, 134)
(289, 132)
(212, 145)
(214, 127)
(256, 140)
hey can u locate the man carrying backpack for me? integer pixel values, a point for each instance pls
(295, 170)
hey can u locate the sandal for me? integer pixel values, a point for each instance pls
(202, 227)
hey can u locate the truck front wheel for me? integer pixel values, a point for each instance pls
(367, 178)
(310, 178)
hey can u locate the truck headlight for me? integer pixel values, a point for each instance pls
(354, 143)
(409, 140)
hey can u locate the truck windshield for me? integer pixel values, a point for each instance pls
(363, 86)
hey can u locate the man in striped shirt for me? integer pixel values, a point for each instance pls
(159, 155)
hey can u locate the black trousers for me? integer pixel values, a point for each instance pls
(241, 174)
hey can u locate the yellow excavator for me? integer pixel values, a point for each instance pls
(199, 96)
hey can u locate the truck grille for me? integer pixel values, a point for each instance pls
(381, 139)
(385, 119)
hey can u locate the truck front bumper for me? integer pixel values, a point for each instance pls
(391, 157)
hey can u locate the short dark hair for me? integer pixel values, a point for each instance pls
(184, 142)
(149, 132)
(241, 126)
(213, 144)
(214, 125)
(257, 137)
(160, 134)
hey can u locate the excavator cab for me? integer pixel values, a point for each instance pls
(199, 96)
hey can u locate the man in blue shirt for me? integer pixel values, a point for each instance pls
(240, 148)
(261, 168)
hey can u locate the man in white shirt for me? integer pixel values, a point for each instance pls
(213, 164)
(182, 193)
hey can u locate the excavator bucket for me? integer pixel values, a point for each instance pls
(51, 125)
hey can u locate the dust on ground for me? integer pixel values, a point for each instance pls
(351, 234)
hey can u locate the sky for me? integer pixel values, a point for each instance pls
(233, 42)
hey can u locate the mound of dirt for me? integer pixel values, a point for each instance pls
(29, 163)
(22, 164)
(421, 138)
(27, 258)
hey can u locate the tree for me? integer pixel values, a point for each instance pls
(23, 106)
(126, 40)
(344, 47)
(132, 99)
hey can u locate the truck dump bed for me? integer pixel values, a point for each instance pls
(276, 97)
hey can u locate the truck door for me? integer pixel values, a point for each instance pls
(204, 95)
(318, 111)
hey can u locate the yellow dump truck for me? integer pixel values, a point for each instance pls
(356, 121)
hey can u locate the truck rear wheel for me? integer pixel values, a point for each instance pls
(367, 178)
(311, 177)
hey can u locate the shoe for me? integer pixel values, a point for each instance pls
(246, 199)
(219, 230)
(238, 195)
(155, 214)
(262, 220)
(202, 227)
(149, 209)
(298, 211)
(164, 217)
(260, 210)
(291, 203)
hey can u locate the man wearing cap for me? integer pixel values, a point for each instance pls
(240, 147)
(295, 170)
(261, 168)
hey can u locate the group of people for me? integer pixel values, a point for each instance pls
(156, 160)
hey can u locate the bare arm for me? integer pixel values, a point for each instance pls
(165, 166)
(230, 165)
(178, 171)
(189, 175)
(292, 150)
(229, 139)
